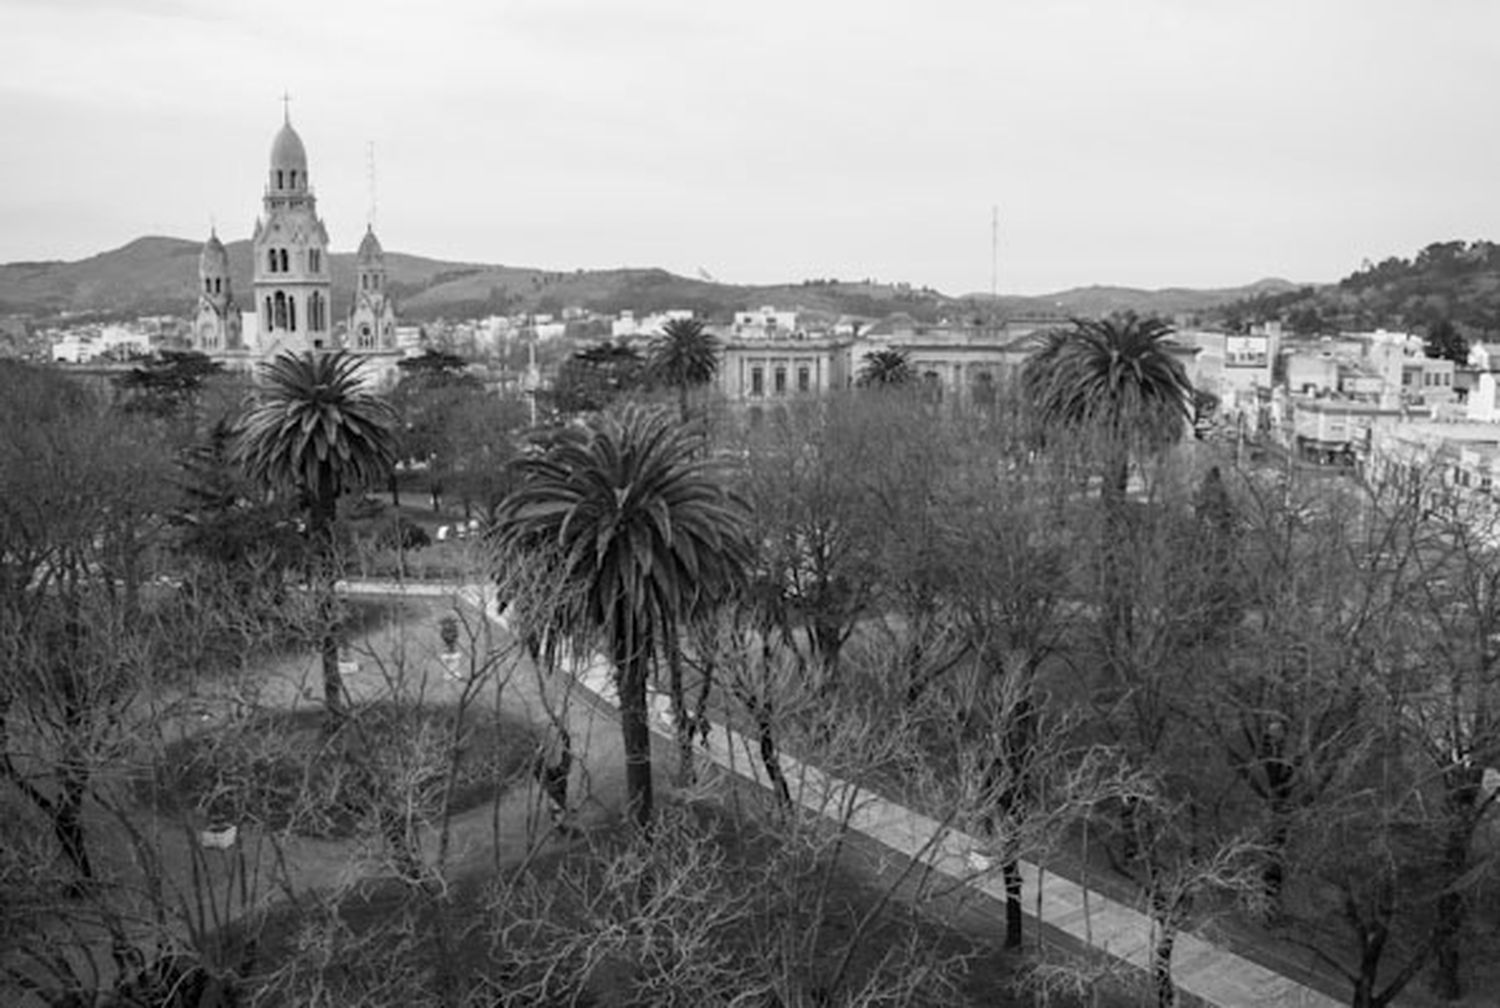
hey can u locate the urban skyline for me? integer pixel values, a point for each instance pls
(1155, 144)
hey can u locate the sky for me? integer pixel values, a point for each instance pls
(1147, 143)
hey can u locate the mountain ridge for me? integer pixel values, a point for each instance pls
(157, 275)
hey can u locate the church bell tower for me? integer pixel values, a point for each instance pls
(290, 246)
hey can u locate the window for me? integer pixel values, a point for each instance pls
(757, 381)
(365, 342)
(316, 321)
(271, 260)
(218, 285)
(291, 314)
(780, 381)
(208, 286)
(804, 380)
(364, 281)
(279, 319)
(294, 178)
(278, 179)
(314, 260)
(270, 318)
(284, 260)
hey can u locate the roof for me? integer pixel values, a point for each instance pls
(287, 151)
(214, 257)
(369, 246)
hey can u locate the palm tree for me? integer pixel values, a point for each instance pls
(1116, 381)
(316, 433)
(643, 532)
(683, 356)
(885, 368)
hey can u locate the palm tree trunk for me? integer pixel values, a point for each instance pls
(325, 504)
(1117, 610)
(682, 715)
(631, 671)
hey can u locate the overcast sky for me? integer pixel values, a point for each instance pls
(1142, 142)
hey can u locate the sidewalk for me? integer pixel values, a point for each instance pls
(1215, 975)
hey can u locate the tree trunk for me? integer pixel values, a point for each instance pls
(324, 510)
(1161, 961)
(1118, 629)
(333, 680)
(682, 717)
(1274, 875)
(1010, 871)
(67, 823)
(770, 758)
(1463, 794)
(635, 729)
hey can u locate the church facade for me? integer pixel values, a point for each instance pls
(291, 307)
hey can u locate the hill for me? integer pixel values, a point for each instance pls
(157, 276)
(1454, 281)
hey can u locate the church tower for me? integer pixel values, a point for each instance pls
(291, 256)
(217, 323)
(372, 318)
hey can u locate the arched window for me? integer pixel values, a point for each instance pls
(218, 285)
(270, 318)
(294, 178)
(208, 286)
(271, 260)
(280, 317)
(374, 281)
(278, 179)
(284, 261)
(315, 312)
(291, 314)
(364, 337)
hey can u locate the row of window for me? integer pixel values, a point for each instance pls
(213, 285)
(286, 179)
(778, 380)
(279, 261)
(369, 281)
(365, 338)
(282, 311)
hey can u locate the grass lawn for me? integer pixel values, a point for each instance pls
(279, 770)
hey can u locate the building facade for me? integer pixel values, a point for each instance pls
(291, 308)
(290, 246)
(218, 325)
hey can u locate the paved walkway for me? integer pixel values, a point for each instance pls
(1217, 976)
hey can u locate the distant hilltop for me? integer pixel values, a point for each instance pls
(157, 276)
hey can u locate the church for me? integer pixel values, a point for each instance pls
(291, 309)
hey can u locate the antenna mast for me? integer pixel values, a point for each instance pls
(994, 253)
(370, 180)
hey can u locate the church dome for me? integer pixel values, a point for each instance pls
(287, 152)
(369, 248)
(215, 259)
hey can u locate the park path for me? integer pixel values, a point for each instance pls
(1217, 976)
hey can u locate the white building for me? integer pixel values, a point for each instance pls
(764, 323)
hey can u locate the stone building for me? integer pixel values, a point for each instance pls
(291, 309)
